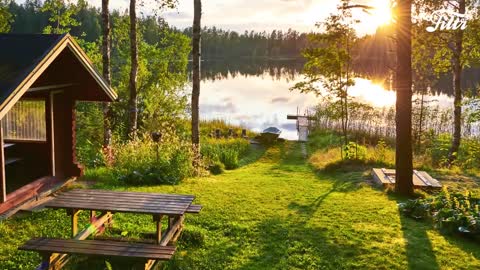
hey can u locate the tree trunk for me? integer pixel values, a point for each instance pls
(418, 139)
(457, 88)
(196, 75)
(404, 162)
(107, 132)
(132, 104)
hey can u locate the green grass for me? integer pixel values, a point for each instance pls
(277, 212)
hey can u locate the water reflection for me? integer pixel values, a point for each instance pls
(256, 94)
(287, 70)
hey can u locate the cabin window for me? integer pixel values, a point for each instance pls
(26, 121)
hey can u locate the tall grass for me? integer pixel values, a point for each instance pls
(208, 128)
(144, 162)
(225, 151)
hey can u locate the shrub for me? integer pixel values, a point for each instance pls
(450, 212)
(226, 151)
(380, 152)
(468, 156)
(440, 149)
(354, 151)
(216, 168)
(143, 162)
(229, 158)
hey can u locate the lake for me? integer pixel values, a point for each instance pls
(257, 95)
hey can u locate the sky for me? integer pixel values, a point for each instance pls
(241, 15)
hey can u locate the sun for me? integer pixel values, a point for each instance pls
(382, 12)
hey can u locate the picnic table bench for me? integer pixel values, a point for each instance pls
(55, 251)
(48, 246)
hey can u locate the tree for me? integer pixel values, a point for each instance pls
(197, 6)
(132, 103)
(107, 131)
(133, 100)
(329, 63)
(6, 17)
(453, 50)
(61, 16)
(457, 88)
(403, 88)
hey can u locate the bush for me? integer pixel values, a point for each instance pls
(229, 158)
(450, 212)
(143, 162)
(354, 151)
(440, 149)
(380, 152)
(225, 151)
(468, 156)
(216, 168)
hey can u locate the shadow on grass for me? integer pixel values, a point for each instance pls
(307, 211)
(419, 249)
(255, 152)
(352, 165)
(283, 244)
(418, 246)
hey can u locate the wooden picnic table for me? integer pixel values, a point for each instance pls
(171, 206)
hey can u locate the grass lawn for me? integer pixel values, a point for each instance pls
(274, 213)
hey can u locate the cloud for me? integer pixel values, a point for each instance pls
(240, 16)
(218, 108)
(280, 100)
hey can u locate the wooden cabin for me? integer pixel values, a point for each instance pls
(41, 79)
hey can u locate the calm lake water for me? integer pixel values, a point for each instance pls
(257, 95)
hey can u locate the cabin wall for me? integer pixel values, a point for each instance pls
(65, 163)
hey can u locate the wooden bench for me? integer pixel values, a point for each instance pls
(194, 209)
(48, 246)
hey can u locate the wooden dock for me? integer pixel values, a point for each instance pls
(303, 125)
(421, 179)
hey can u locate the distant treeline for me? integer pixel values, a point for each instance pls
(221, 44)
(29, 18)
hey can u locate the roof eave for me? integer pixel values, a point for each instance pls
(66, 41)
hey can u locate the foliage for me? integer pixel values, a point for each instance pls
(468, 156)
(6, 17)
(381, 151)
(61, 16)
(226, 151)
(354, 151)
(143, 162)
(440, 149)
(161, 77)
(208, 128)
(220, 44)
(216, 167)
(450, 212)
(328, 70)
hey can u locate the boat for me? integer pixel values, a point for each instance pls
(270, 134)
